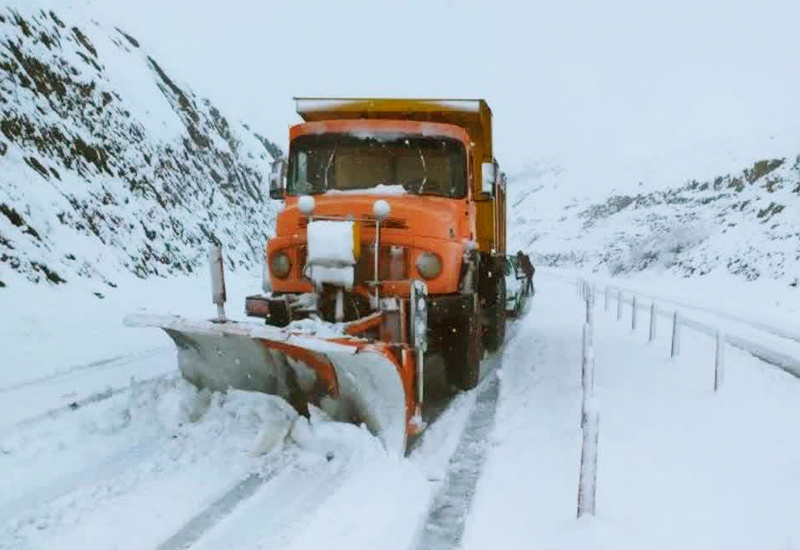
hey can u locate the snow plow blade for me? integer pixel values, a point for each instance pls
(348, 378)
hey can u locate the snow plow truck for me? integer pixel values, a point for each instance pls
(390, 247)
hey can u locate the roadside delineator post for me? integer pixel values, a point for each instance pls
(676, 336)
(653, 313)
(590, 423)
(218, 296)
(633, 314)
(619, 305)
(605, 306)
(719, 361)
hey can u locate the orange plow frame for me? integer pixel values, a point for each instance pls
(352, 379)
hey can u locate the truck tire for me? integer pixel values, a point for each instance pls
(463, 351)
(495, 332)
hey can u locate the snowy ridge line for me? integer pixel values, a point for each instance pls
(91, 399)
(785, 362)
(108, 363)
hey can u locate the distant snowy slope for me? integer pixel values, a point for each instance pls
(108, 163)
(745, 222)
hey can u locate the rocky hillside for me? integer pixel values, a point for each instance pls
(109, 164)
(746, 223)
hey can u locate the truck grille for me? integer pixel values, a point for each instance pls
(368, 221)
(393, 263)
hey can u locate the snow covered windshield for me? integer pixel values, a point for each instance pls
(344, 162)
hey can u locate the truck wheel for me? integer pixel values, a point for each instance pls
(463, 352)
(496, 323)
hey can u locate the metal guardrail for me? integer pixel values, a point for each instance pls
(781, 360)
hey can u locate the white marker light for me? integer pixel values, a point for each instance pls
(306, 204)
(381, 210)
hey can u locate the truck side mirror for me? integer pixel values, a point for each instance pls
(488, 176)
(277, 178)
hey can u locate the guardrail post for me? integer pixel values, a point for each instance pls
(590, 426)
(619, 305)
(605, 307)
(719, 361)
(653, 313)
(633, 314)
(586, 350)
(676, 335)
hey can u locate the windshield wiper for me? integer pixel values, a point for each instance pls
(330, 162)
(425, 171)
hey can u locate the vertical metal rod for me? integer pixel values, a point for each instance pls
(589, 308)
(633, 314)
(217, 281)
(377, 256)
(606, 302)
(676, 335)
(585, 351)
(587, 484)
(590, 426)
(653, 314)
(619, 305)
(719, 361)
(420, 376)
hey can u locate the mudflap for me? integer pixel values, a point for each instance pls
(350, 379)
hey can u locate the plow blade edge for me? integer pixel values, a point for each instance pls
(349, 379)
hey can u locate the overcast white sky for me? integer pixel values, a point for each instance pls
(575, 81)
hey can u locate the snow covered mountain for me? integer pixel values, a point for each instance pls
(745, 222)
(109, 164)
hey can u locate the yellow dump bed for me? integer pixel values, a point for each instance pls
(474, 115)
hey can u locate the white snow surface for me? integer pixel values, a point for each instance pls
(330, 252)
(126, 453)
(679, 465)
(380, 189)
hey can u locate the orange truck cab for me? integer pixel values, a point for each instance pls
(441, 220)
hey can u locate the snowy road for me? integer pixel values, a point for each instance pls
(154, 463)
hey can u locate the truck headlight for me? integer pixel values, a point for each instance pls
(280, 265)
(429, 265)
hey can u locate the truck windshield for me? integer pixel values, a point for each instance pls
(344, 162)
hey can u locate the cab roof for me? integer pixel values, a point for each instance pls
(474, 115)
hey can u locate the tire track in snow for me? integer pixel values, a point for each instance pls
(92, 474)
(24, 404)
(108, 363)
(91, 399)
(444, 525)
(203, 522)
(263, 512)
